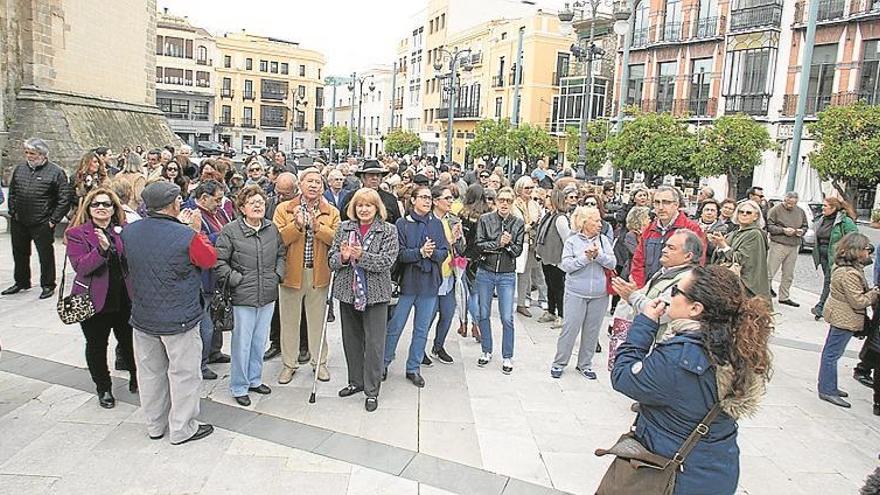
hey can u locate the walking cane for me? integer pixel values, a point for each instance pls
(323, 338)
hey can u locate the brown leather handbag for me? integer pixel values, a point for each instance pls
(638, 470)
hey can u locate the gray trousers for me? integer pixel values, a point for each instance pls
(534, 275)
(363, 340)
(170, 377)
(582, 317)
(784, 256)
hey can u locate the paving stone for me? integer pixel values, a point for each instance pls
(366, 453)
(453, 476)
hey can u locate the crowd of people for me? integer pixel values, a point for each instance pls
(158, 241)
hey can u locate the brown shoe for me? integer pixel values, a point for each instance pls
(286, 375)
(323, 374)
(524, 311)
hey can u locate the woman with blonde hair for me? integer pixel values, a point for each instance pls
(90, 174)
(553, 231)
(746, 249)
(97, 255)
(133, 174)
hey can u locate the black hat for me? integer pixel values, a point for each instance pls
(421, 179)
(371, 167)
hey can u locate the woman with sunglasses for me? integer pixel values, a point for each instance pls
(172, 173)
(94, 246)
(715, 351)
(747, 248)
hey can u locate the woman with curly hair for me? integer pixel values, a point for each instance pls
(475, 205)
(173, 172)
(715, 351)
(90, 174)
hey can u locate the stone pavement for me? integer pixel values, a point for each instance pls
(470, 430)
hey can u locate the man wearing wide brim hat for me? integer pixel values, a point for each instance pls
(371, 173)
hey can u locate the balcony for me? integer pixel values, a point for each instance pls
(815, 104)
(755, 105)
(671, 32)
(300, 127)
(277, 123)
(640, 37)
(273, 95)
(248, 122)
(512, 78)
(664, 105)
(177, 81)
(498, 81)
(203, 83)
(248, 95)
(762, 16)
(864, 7)
(706, 27)
(227, 93)
(226, 120)
(202, 117)
(398, 103)
(829, 10)
(176, 115)
(203, 61)
(699, 107)
(460, 113)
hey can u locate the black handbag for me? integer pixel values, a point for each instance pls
(75, 308)
(221, 308)
(638, 470)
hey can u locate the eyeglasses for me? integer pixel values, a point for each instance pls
(676, 291)
(590, 203)
(256, 202)
(528, 188)
(571, 196)
(446, 198)
(664, 202)
(172, 169)
(101, 204)
(423, 196)
(504, 200)
(337, 178)
(747, 212)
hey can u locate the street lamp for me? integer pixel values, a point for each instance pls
(359, 83)
(584, 55)
(452, 81)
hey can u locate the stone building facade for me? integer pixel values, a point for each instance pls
(79, 74)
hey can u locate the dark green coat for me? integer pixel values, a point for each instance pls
(748, 247)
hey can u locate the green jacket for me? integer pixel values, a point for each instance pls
(748, 247)
(843, 225)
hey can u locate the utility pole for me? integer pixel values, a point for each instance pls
(452, 78)
(806, 62)
(517, 77)
(351, 108)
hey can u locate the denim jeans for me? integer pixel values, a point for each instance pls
(206, 330)
(445, 313)
(425, 308)
(835, 344)
(473, 304)
(504, 284)
(826, 287)
(248, 344)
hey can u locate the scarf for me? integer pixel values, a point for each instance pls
(676, 327)
(359, 280)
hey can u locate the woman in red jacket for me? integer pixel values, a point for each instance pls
(94, 246)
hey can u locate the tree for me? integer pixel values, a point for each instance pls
(597, 149)
(847, 145)
(491, 139)
(529, 142)
(402, 142)
(656, 144)
(732, 146)
(341, 134)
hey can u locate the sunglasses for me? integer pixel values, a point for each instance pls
(504, 200)
(101, 204)
(172, 169)
(590, 203)
(255, 170)
(747, 212)
(528, 188)
(676, 291)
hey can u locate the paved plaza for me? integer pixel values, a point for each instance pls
(469, 431)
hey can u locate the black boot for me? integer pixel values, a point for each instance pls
(133, 382)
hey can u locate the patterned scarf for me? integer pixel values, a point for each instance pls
(359, 280)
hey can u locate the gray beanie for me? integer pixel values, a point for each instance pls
(160, 194)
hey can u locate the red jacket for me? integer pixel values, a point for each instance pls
(646, 259)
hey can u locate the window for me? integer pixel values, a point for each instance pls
(319, 97)
(202, 55)
(698, 103)
(273, 67)
(302, 70)
(319, 73)
(636, 84)
(226, 115)
(301, 91)
(672, 21)
(203, 79)
(750, 14)
(666, 86)
(227, 61)
(160, 44)
(442, 21)
(821, 78)
(285, 68)
(264, 66)
(200, 110)
(226, 88)
(707, 19)
(748, 80)
(248, 89)
(431, 26)
(503, 36)
(273, 90)
(249, 63)
(415, 91)
(498, 104)
(869, 78)
(319, 119)
(247, 117)
(562, 67)
(641, 25)
(273, 116)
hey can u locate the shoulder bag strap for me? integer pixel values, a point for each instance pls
(699, 432)
(63, 277)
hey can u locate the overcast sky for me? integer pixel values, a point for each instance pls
(352, 34)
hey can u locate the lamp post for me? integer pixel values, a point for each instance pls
(357, 82)
(622, 12)
(452, 81)
(584, 55)
(333, 81)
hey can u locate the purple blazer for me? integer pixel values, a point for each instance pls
(92, 271)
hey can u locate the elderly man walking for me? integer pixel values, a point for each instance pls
(307, 224)
(39, 196)
(166, 254)
(786, 224)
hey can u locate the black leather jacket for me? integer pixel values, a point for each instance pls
(494, 258)
(39, 195)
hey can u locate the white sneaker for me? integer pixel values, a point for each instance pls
(484, 359)
(557, 323)
(507, 366)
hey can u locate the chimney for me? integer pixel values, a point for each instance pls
(166, 10)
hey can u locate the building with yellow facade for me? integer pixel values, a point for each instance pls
(269, 92)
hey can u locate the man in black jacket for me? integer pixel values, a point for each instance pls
(39, 197)
(370, 174)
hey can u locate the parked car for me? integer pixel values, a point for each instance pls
(811, 210)
(253, 149)
(213, 148)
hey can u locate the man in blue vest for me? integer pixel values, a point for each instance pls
(166, 254)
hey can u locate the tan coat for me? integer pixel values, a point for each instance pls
(845, 308)
(294, 238)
